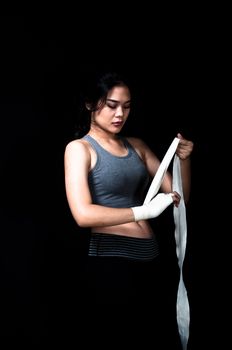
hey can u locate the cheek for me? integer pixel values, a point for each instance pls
(104, 116)
(127, 114)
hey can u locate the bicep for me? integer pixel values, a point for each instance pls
(153, 164)
(76, 165)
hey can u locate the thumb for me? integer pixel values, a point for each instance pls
(179, 136)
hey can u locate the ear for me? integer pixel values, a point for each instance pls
(87, 105)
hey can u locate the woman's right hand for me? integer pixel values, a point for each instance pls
(176, 198)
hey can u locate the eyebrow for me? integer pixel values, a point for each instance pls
(111, 100)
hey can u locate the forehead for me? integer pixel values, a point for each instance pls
(119, 93)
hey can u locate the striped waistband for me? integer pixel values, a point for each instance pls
(111, 245)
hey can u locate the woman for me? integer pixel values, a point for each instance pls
(106, 178)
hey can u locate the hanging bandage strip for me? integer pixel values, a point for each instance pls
(182, 305)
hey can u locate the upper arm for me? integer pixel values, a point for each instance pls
(152, 162)
(77, 160)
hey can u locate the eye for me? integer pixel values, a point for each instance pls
(114, 105)
(111, 105)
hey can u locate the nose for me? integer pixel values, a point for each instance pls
(119, 111)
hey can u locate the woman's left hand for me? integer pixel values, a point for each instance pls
(184, 148)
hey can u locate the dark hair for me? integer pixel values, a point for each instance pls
(94, 92)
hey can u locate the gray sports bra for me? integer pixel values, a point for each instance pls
(119, 182)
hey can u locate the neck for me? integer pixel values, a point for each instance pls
(101, 134)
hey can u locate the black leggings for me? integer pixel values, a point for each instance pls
(116, 301)
(131, 300)
(121, 281)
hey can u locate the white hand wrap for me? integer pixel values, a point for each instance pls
(154, 208)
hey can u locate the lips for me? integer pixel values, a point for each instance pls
(117, 123)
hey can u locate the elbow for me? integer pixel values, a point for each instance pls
(85, 216)
(82, 219)
(82, 224)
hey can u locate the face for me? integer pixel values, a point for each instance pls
(113, 114)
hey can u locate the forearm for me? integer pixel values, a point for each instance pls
(97, 215)
(186, 177)
(92, 215)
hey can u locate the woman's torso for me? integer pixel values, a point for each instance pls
(127, 161)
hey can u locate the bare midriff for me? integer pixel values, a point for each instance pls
(139, 229)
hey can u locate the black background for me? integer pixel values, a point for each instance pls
(176, 68)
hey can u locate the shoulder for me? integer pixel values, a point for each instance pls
(77, 144)
(143, 149)
(77, 147)
(134, 140)
(138, 144)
